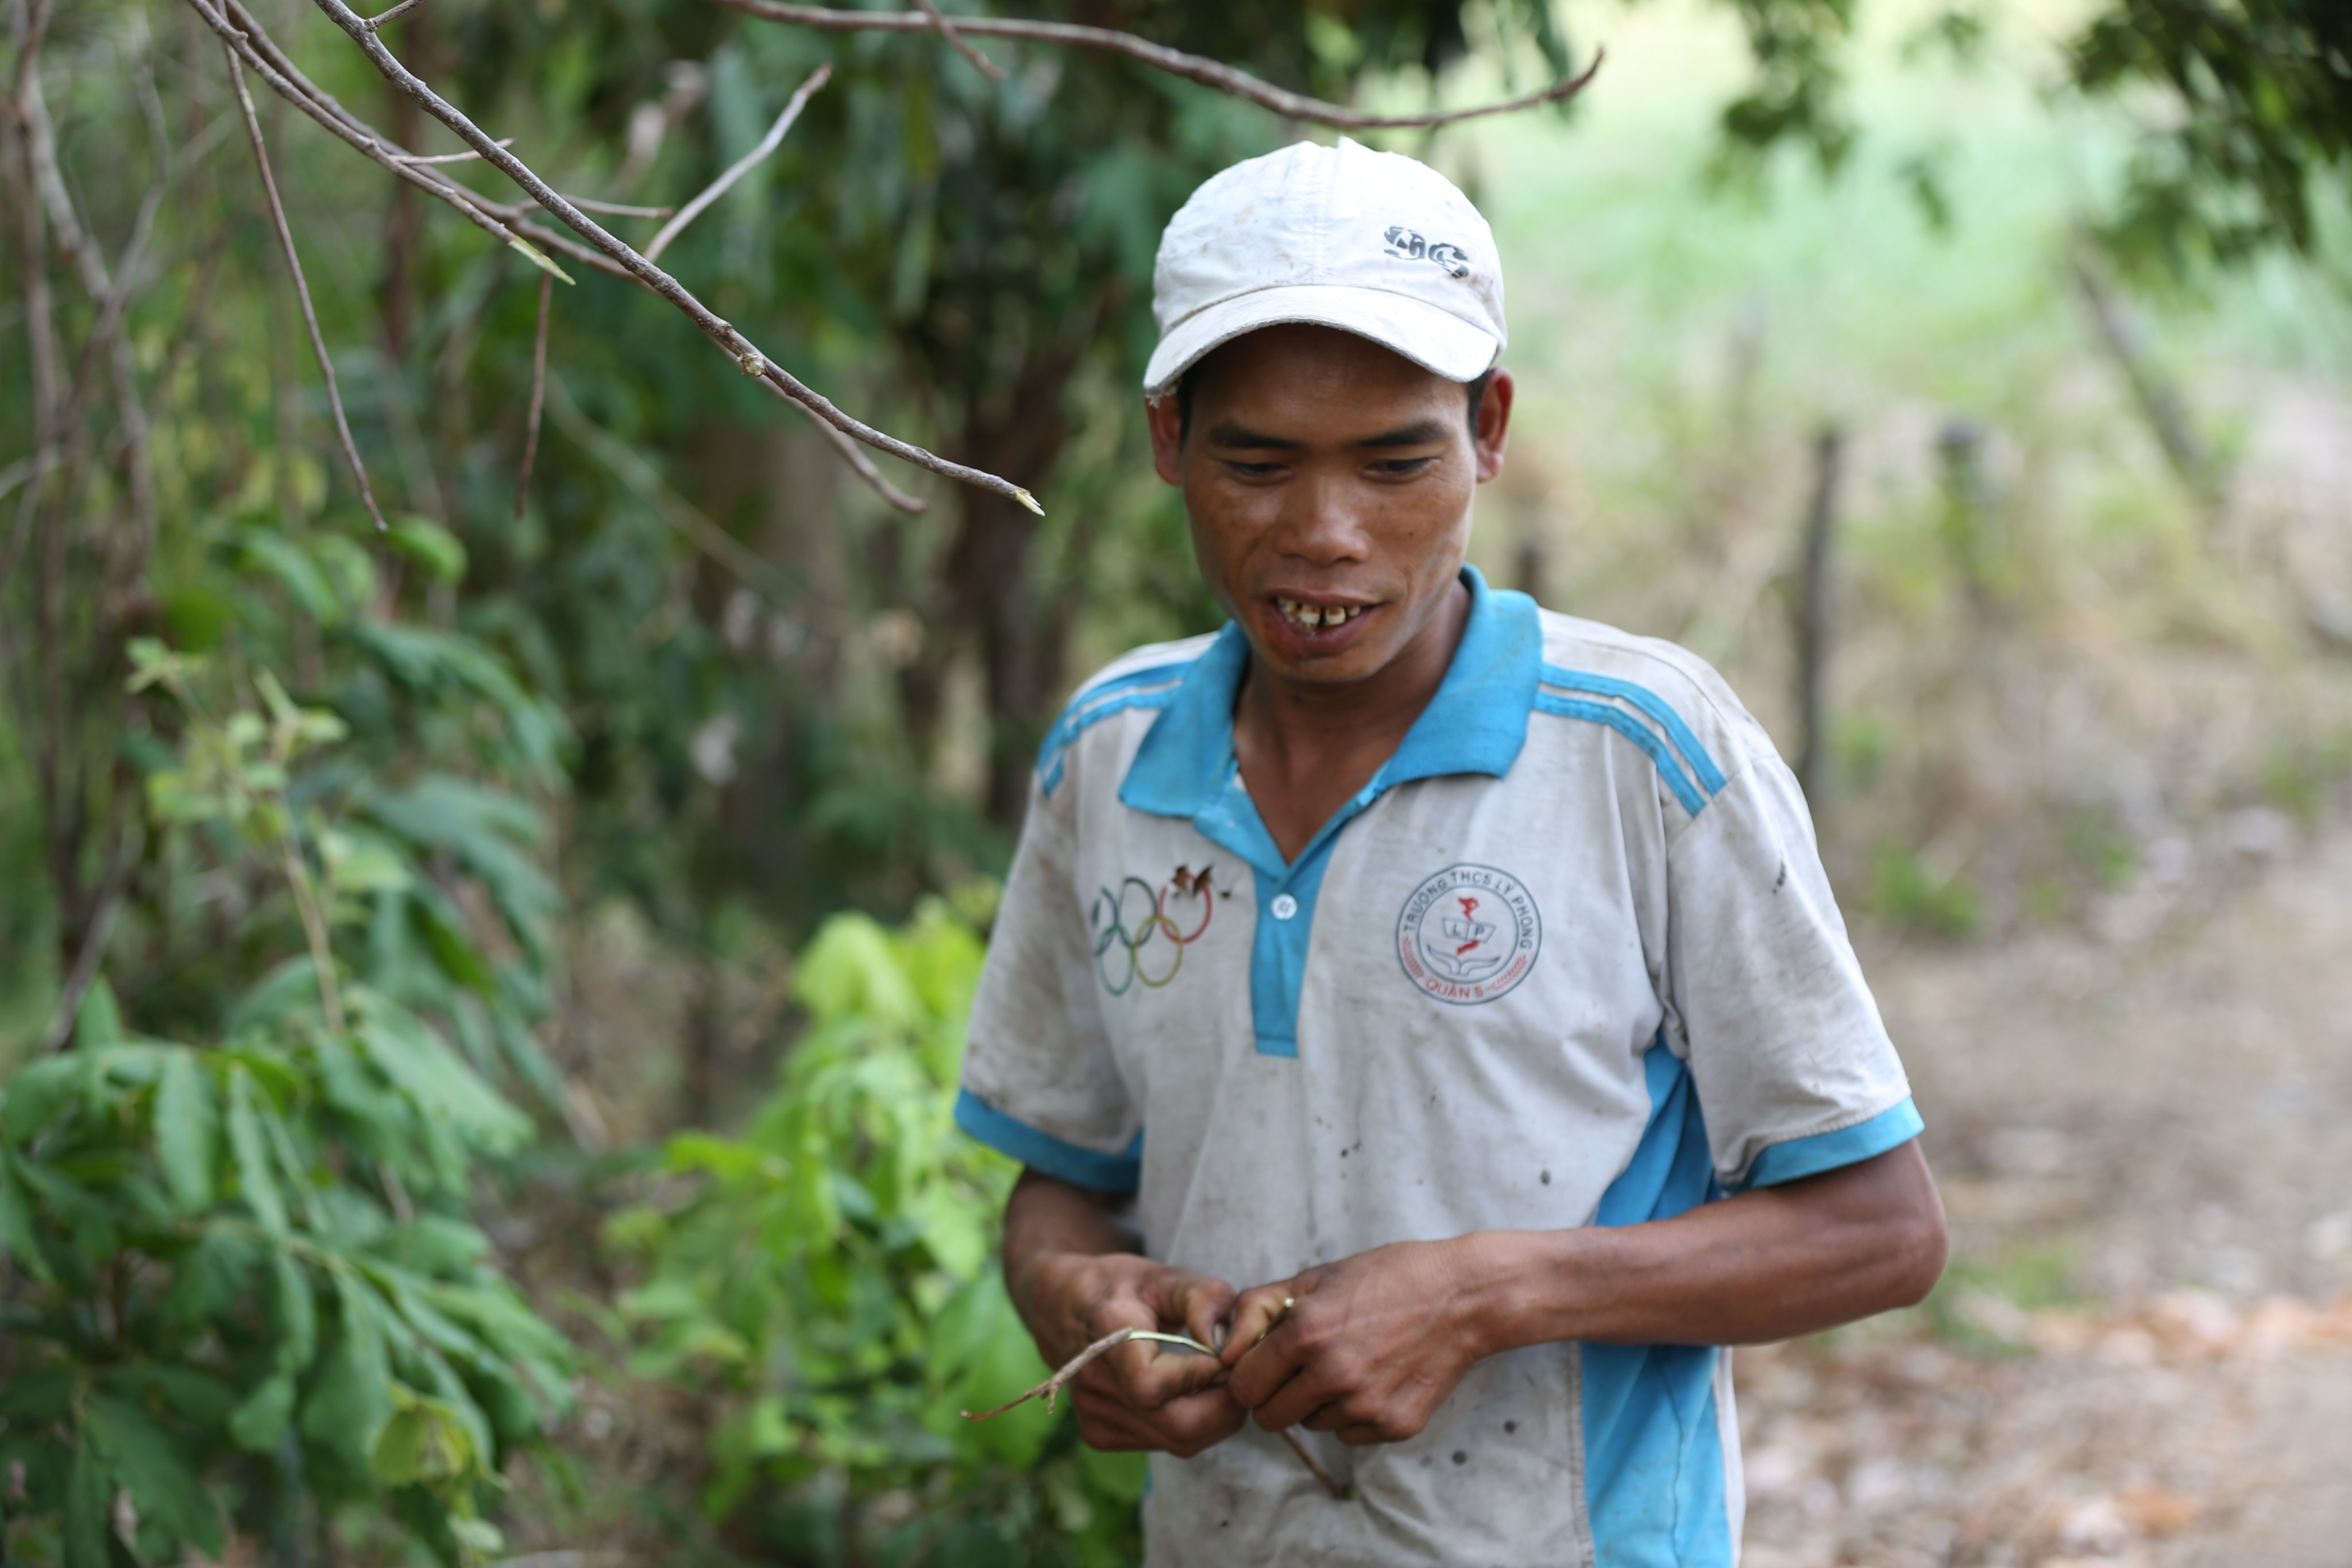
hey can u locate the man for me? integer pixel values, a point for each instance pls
(1427, 963)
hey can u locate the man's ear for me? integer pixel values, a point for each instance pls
(1166, 422)
(1494, 425)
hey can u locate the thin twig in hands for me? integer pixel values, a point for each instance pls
(746, 355)
(1052, 1387)
(1331, 1484)
(468, 156)
(958, 42)
(1176, 62)
(538, 395)
(301, 286)
(397, 12)
(741, 166)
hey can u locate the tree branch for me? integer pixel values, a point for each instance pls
(537, 394)
(1175, 62)
(301, 286)
(242, 33)
(733, 343)
(741, 166)
(957, 41)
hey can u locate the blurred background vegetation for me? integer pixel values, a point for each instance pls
(478, 1002)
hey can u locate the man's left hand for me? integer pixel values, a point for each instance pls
(1369, 1347)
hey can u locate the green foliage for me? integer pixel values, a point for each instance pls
(243, 1273)
(2261, 94)
(832, 1272)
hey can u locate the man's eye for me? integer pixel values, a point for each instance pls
(1398, 467)
(1253, 470)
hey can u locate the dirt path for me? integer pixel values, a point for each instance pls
(2143, 1355)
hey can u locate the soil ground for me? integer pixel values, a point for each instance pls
(2142, 1354)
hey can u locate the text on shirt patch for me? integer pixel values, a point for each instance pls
(1136, 938)
(1469, 934)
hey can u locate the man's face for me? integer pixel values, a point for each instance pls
(1329, 481)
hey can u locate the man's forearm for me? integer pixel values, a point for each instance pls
(1766, 1265)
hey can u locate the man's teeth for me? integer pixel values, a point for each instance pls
(1312, 615)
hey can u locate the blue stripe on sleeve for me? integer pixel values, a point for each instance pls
(1044, 1152)
(1091, 707)
(1890, 1129)
(1634, 730)
(1710, 777)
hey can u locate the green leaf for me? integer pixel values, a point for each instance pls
(162, 1479)
(90, 1498)
(16, 1235)
(188, 1130)
(98, 1022)
(423, 1443)
(38, 1091)
(431, 546)
(192, 1394)
(259, 1420)
(293, 1314)
(256, 1183)
(852, 969)
(351, 1399)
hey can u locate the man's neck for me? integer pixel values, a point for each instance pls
(1305, 747)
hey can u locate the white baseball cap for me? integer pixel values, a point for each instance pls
(1376, 244)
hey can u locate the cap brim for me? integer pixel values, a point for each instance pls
(1434, 338)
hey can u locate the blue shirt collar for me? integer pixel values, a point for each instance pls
(1476, 724)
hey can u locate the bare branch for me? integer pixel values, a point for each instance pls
(537, 394)
(251, 42)
(110, 296)
(962, 44)
(301, 286)
(733, 343)
(397, 12)
(741, 166)
(1176, 62)
(620, 209)
(466, 157)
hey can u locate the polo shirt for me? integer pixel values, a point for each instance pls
(1569, 959)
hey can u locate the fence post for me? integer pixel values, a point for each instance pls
(1813, 615)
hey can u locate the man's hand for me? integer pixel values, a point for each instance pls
(1369, 1347)
(1143, 1394)
(1074, 1280)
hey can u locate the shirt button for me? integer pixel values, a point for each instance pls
(1283, 907)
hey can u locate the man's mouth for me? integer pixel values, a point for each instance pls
(1310, 617)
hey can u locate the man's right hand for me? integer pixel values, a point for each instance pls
(1143, 1394)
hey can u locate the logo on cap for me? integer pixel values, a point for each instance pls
(1407, 245)
(1468, 934)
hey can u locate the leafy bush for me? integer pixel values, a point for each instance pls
(830, 1273)
(239, 1289)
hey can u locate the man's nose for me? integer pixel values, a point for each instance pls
(1323, 522)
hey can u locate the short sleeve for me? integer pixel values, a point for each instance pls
(1039, 1081)
(1793, 1068)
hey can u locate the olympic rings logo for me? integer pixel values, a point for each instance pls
(1136, 939)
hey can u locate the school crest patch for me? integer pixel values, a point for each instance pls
(1469, 934)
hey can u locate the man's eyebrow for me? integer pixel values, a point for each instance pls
(1417, 434)
(1232, 435)
(1420, 434)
